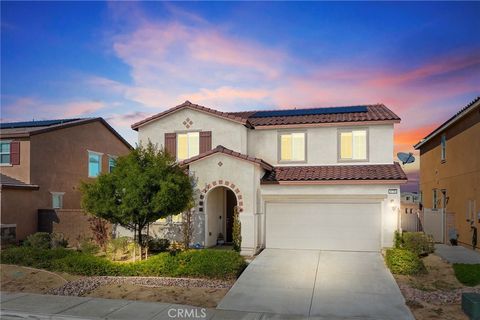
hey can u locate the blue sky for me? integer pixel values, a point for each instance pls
(126, 61)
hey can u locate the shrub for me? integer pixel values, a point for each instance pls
(397, 240)
(418, 243)
(88, 247)
(403, 261)
(58, 241)
(222, 264)
(120, 245)
(468, 274)
(156, 245)
(237, 231)
(39, 240)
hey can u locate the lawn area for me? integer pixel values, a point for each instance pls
(206, 263)
(468, 274)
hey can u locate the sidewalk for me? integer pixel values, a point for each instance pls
(38, 306)
(457, 254)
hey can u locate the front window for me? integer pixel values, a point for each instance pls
(111, 163)
(353, 145)
(444, 147)
(57, 200)
(5, 152)
(94, 164)
(292, 146)
(188, 145)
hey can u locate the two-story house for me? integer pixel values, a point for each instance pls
(320, 178)
(42, 164)
(450, 176)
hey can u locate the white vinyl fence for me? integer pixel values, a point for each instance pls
(433, 223)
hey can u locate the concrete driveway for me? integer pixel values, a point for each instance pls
(318, 284)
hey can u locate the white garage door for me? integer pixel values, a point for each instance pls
(323, 226)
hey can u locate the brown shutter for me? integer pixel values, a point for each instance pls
(205, 141)
(171, 143)
(15, 152)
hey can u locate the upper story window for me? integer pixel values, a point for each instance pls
(353, 145)
(5, 152)
(111, 162)
(57, 200)
(292, 146)
(188, 145)
(94, 164)
(444, 147)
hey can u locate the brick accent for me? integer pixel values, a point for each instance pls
(222, 183)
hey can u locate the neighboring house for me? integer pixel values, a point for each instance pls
(321, 178)
(409, 211)
(450, 174)
(42, 164)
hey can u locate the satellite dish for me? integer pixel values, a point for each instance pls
(406, 157)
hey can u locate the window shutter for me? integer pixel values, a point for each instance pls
(171, 143)
(15, 152)
(205, 141)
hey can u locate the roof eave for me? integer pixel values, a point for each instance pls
(446, 125)
(334, 181)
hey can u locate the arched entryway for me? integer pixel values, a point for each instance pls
(220, 203)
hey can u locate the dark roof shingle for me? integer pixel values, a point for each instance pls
(335, 172)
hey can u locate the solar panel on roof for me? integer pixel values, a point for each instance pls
(30, 124)
(307, 112)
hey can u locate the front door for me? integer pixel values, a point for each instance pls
(230, 206)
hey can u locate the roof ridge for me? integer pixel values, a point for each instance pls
(309, 108)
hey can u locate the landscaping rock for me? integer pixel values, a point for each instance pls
(435, 297)
(83, 286)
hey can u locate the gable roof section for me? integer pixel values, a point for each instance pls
(282, 117)
(7, 182)
(222, 149)
(465, 110)
(188, 105)
(30, 128)
(330, 174)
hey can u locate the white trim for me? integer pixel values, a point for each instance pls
(446, 125)
(8, 225)
(96, 152)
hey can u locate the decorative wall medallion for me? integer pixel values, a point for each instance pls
(187, 123)
(220, 163)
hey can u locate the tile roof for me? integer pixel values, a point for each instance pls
(232, 153)
(188, 105)
(336, 172)
(474, 103)
(375, 112)
(9, 182)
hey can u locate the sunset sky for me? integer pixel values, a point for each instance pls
(126, 61)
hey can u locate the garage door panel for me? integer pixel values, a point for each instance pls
(323, 226)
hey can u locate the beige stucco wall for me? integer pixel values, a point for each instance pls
(22, 171)
(224, 132)
(322, 145)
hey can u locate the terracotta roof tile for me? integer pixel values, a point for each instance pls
(375, 112)
(338, 172)
(235, 154)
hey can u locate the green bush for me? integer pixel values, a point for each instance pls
(418, 242)
(120, 245)
(468, 274)
(397, 240)
(206, 263)
(88, 247)
(403, 261)
(58, 241)
(39, 240)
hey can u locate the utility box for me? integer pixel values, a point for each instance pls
(471, 305)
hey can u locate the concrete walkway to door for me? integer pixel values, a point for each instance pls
(318, 284)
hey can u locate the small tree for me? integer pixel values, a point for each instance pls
(237, 231)
(145, 185)
(99, 228)
(187, 228)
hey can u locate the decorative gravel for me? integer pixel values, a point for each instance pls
(85, 285)
(435, 297)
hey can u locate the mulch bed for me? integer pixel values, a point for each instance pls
(435, 297)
